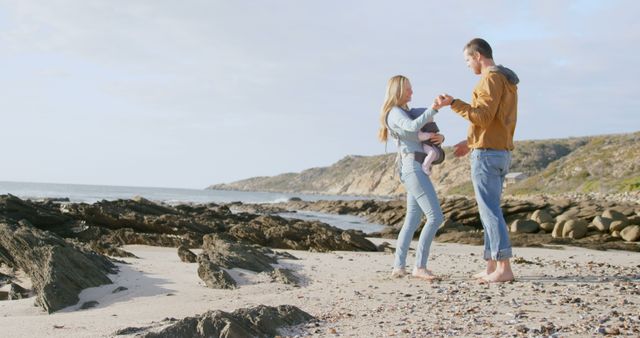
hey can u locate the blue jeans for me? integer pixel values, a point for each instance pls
(421, 198)
(488, 169)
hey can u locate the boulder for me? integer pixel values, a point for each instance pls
(557, 229)
(525, 226)
(617, 225)
(601, 223)
(631, 233)
(614, 215)
(260, 321)
(547, 227)
(568, 215)
(575, 229)
(542, 216)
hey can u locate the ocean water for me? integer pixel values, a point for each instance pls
(78, 193)
(92, 193)
(344, 222)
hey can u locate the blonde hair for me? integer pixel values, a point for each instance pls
(395, 91)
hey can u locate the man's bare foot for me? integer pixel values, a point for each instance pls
(398, 273)
(502, 273)
(424, 274)
(481, 274)
(491, 267)
(498, 277)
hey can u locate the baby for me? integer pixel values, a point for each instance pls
(433, 153)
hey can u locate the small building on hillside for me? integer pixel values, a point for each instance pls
(513, 178)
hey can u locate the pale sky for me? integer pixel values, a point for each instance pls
(192, 93)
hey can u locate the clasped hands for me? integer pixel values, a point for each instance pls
(462, 148)
(441, 101)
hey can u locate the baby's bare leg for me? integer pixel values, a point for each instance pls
(432, 155)
(423, 136)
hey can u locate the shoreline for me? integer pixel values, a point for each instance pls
(351, 294)
(563, 290)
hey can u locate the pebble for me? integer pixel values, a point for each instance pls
(561, 299)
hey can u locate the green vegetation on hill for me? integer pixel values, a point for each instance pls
(607, 163)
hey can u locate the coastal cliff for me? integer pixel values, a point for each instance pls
(601, 164)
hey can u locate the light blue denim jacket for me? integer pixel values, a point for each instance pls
(406, 130)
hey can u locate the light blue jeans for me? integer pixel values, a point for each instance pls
(421, 199)
(488, 170)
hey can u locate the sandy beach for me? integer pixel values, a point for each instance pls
(568, 290)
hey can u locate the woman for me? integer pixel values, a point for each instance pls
(421, 196)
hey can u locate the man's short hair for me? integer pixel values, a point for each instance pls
(481, 46)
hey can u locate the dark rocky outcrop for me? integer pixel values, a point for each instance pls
(186, 255)
(213, 276)
(60, 246)
(260, 321)
(107, 225)
(285, 276)
(140, 215)
(227, 254)
(461, 214)
(220, 253)
(17, 292)
(44, 216)
(59, 270)
(278, 232)
(5, 279)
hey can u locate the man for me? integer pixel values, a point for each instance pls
(492, 113)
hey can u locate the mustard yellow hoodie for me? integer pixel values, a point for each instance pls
(493, 110)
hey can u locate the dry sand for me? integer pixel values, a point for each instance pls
(578, 292)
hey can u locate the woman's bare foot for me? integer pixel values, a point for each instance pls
(424, 274)
(491, 267)
(398, 273)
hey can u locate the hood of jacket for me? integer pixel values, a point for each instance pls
(508, 73)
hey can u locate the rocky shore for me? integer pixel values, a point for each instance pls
(134, 266)
(64, 248)
(591, 221)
